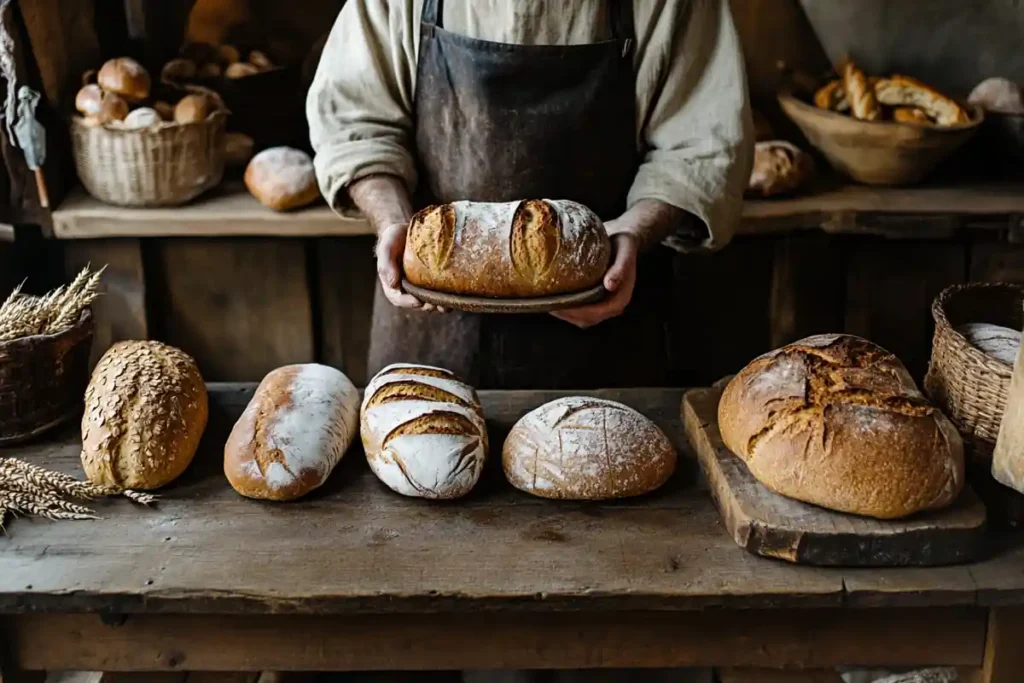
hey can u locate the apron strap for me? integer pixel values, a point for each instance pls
(433, 12)
(621, 19)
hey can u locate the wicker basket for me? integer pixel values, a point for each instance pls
(968, 385)
(164, 166)
(43, 380)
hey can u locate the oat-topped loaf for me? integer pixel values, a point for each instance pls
(531, 248)
(582, 448)
(145, 410)
(837, 421)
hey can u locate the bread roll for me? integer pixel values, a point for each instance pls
(511, 249)
(830, 95)
(837, 421)
(194, 108)
(780, 167)
(143, 117)
(299, 423)
(999, 95)
(1001, 343)
(112, 108)
(228, 54)
(178, 70)
(581, 448)
(238, 148)
(89, 100)
(282, 178)
(423, 431)
(145, 410)
(240, 70)
(125, 77)
(260, 60)
(860, 94)
(903, 91)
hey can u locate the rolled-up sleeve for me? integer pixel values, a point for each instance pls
(359, 105)
(696, 129)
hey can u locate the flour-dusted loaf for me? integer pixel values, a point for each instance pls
(1001, 343)
(581, 448)
(288, 440)
(528, 248)
(145, 410)
(282, 178)
(837, 421)
(423, 431)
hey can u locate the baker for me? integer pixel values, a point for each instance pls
(638, 110)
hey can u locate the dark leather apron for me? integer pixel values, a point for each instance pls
(501, 122)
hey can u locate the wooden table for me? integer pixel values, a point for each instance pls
(356, 577)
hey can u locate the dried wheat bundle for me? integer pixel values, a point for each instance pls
(23, 315)
(32, 490)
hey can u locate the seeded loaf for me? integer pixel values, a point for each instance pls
(507, 249)
(145, 410)
(423, 431)
(581, 448)
(293, 433)
(837, 421)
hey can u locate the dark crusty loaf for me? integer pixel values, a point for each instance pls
(837, 421)
(582, 448)
(510, 249)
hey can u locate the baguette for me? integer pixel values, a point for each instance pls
(860, 94)
(513, 249)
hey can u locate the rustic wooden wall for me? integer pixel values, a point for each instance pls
(245, 306)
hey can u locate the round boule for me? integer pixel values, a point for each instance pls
(143, 117)
(112, 108)
(89, 100)
(194, 108)
(241, 70)
(125, 77)
(176, 70)
(145, 410)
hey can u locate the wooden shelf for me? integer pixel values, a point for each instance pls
(231, 211)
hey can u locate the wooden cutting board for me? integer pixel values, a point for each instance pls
(765, 523)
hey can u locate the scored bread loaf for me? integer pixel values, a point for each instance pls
(507, 249)
(299, 423)
(145, 410)
(837, 421)
(423, 431)
(581, 448)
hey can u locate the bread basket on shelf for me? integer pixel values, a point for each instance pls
(42, 380)
(969, 385)
(164, 165)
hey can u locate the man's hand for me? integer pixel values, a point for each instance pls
(389, 250)
(619, 281)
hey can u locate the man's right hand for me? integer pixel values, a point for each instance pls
(389, 251)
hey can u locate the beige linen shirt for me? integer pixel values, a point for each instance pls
(693, 115)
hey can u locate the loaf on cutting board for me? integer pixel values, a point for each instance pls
(145, 411)
(581, 448)
(288, 440)
(529, 248)
(837, 421)
(423, 431)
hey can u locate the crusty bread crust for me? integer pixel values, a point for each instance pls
(528, 248)
(911, 115)
(837, 421)
(904, 91)
(860, 94)
(779, 167)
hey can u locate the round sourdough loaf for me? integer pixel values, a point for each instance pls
(423, 431)
(282, 178)
(837, 421)
(531, 248)
(125, 77)
(288, 440)
(145, 410)
(581, 448)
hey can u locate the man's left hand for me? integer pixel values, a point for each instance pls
(619, 281)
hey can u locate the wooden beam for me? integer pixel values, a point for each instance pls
(1004, 656)
(785, 639)
(739, 675)
(347, 276)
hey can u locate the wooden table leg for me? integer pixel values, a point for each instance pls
(1004, 655)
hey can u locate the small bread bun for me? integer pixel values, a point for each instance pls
(260, 60)
(165, 109)
(282, 178)
(143, 117)
(89, 100)
(228, 55)
(194, 108)
(238, 149)
(999, 95)
(125, 77)
(112, 108)
(177, 70)
(241, 70)
(210, 70)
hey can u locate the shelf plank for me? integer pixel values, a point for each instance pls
(232, 211)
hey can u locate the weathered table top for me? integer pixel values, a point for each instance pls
(357, 547)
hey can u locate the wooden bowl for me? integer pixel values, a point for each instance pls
(878, 152)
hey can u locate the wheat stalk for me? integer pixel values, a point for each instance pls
(22, 315)
(31, 504)
(16, 472)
